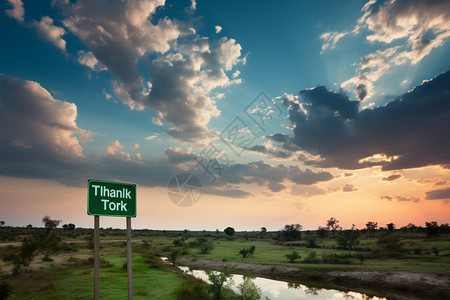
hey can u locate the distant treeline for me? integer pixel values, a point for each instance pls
(290, 232)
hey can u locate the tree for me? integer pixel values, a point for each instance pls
(263, 232)
(333, 225)
(322, 232)
(389, 244)
(348, 238)
(219, 280)
(2, 223)
(432, 228)
(49, 223)
(293, 256)
(174, 255)
(390, 227)
(249, 290)
(68, 227)
(371, 227)
(292, 232)
(229, 231)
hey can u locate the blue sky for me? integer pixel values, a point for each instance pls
(356, 99)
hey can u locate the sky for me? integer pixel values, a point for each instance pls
(280, 112)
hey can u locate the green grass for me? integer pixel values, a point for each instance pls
(66, 278)
(269, 253)
(76, 281)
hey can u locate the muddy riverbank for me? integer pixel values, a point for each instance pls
(391, 284)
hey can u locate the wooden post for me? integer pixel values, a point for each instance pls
(129, 260)
(96, 256)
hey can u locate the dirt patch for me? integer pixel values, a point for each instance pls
(430, 286)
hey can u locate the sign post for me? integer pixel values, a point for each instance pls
(117, 200)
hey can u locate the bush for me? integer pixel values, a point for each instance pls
(5, 290)
(389, 245)
(293, 256)
(348, 239)
(247, 252)
(206, 246)
(311, 259)
(312, 241)
(249, 290)
(179, 243)
(435, 251)
(192, 290)
(335, 259)
(220, 281)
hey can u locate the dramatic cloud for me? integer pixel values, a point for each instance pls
(392, 177)
(438, 194)
(410, 131)
(51, 32)
(39, 132)
(410, 29)
(271, 176)
(17, 11)
(180, 156)
(89, 60)
(271, 152)
(183, 67)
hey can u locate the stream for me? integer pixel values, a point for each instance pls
(275, 289)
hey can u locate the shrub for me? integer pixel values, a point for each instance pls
(311, 259)
(389, 245)
(5, 290)
(220, 281)
(293, 256)
(249, 290)
(206, 246)
(335, 259)
(245, 252)
(435, 251)
(312, 241)
(348, 239)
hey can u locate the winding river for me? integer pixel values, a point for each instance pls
(275, 289)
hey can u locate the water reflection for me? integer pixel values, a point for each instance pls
(275, 289)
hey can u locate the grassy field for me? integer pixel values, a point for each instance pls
(68, 274)
(270, 253)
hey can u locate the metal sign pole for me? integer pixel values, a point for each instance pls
(96, 256)
(129, 260)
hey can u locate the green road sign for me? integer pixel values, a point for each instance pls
(111, 199)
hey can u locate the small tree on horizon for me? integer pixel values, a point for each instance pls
(390, 227)
(333, 225)
(49, 223)
(292, 232)
(371, 227)
(229, 231)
